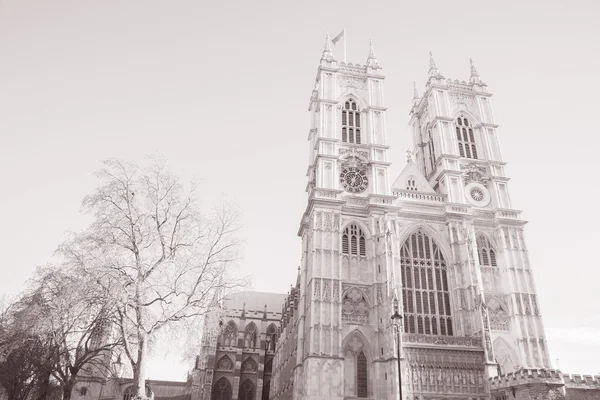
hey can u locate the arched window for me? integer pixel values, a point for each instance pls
(425, 292)
(250, 336)
(465, 137)
(351, 122)
(411, 184)
(272, 336)
(353, 241)
(221, 390)
(246, 390)
(229, 336)
(249, 365)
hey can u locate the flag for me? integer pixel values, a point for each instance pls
(338, 37)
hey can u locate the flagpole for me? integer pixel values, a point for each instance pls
(345, 40)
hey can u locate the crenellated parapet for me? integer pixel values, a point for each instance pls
(582, 387)
(529, 383)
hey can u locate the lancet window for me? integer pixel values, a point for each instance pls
(250, 336)
(272, 336)
(465, 138)
(411, 184)
(425, 293)
(351, 122)
(246, 390)
(221, 390)
(353, 241)
(431, 151)
(229, 335)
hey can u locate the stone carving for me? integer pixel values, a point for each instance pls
(488, 346)
(328, 224)
(354, 158)
(326, 292)
(318, 220)
(336, 292)
(347, 81)
(355, 307)
(379, 295)
(498, 315)
(317, 285)
(336, 222)
(474, 173)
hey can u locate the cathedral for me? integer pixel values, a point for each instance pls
(418, 287)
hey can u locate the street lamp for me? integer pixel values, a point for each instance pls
(397, 322)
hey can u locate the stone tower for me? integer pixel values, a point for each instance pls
(442, 246)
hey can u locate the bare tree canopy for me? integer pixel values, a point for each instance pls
(161, 259)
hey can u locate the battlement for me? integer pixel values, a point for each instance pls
(527, 376)
(582, 381)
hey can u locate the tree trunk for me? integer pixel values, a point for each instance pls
(139, 372)
(68, 389)
(44, 387)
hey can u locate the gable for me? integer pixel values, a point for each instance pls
(410, 178)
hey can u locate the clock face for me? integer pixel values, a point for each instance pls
(354, 180)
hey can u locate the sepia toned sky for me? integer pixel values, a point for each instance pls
(221, 89)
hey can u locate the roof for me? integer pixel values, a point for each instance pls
(411, 171)
(255, 301)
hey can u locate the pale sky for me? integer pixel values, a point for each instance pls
(221, 89)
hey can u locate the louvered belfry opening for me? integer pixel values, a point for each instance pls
(351, 123)
(353, 241)
(466, 138)
(425, 293)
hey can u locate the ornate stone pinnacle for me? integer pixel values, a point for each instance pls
(371, 51)
(474, 73)
(415, 91)
(432, 65)
(327, 44)
(408, 156)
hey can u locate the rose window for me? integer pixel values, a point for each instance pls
(477, 194)
(355, 307)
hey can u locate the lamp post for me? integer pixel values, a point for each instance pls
(397, 321)
(267, 342)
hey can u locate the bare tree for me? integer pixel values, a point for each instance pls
(162, 259)
(60, 328)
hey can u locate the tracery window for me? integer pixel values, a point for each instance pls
(355, 307)
(431, 150)
(221, 390)
(425, 293)
(249, 365)
(250, 336)
(351, 122)
(272, 335)
(411, 184)
(229, 336)
(225, 364)
(466, 138)
(353, 241)
(246, 390)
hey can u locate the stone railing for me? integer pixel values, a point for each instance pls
(327, 194)
(380, 199)
(508, 214)
(526, 376)
(419, 196)
(457, 209)
(430, 340)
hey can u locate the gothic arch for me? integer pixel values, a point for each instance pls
(357, 359)
(224, 364)
(229, 335)
(221, 389)
(441, 241)
(247, 390)
(352, 94)
(249, 365)
(250, 336)
(505, 356)
(360, 224)
(475, 121)
(489, 237)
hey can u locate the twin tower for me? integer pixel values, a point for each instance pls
(441, 248)
(442, 245)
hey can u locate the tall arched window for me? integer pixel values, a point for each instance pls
(229, 336)
(466, 138)
(353, 241)
(425, 293)
(246, 390)
(221, 390)
(250, 335)
(351, 122)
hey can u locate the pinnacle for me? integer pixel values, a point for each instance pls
(431, 61)
(371, 51)
(474, 74)
(327, 44)
(415, 90)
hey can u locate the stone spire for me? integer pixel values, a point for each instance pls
(474, 75)
(409, 156)
(415, 91)
(371, 59)
(327, 53)
(433, 70)
(371, 51)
